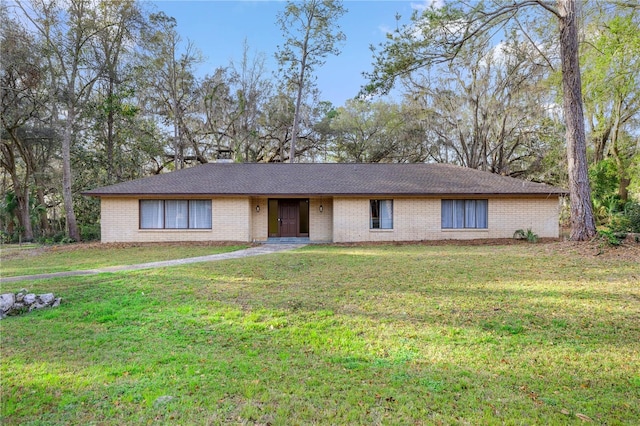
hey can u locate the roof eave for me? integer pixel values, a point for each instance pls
(330, 194)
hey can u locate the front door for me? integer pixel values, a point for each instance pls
(288, 212)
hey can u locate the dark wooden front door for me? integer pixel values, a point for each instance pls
(289, 217)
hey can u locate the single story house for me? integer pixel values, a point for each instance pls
(325, 203)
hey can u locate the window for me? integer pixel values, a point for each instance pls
(200, 214)
(459, 214)
(381, 214)
(175, 214)
(152, 214)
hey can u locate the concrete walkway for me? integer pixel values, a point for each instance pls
(252, 251)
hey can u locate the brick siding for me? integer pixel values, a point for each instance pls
(416, 219)
(120, 223)
(343, 219)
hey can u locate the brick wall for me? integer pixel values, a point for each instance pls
(342, 220)
(321, 223)
(120, 223)
(259, 220)
(416, 219)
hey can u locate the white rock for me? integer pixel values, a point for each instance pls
(6, 301)
(47, 298)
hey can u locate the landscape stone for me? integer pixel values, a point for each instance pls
(36, 305)
(23, 301)
(47, 298)
(6, 301)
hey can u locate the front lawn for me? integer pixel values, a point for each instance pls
(17, 260)
(409, 334)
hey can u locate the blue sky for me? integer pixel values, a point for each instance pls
(219, 29)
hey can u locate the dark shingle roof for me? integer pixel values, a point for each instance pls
(304, 179)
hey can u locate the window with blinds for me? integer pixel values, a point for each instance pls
(464, 214)
(175, 214)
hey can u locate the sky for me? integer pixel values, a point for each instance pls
(219, 29)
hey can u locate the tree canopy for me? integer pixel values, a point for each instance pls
(99, 92)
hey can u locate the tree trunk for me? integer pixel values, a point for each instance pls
(45, 227)
(72, 225)
(20, 191)
(296, 114)
(296, 121)
(582, 220)
(33, 171)
(624, 181)
(22, 197)
(623, 192)
(110, 133)
(599, 144)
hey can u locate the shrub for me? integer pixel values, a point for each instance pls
(90, 232)
(619, 223)
(628, 220)
(59, 237)
(632, 213)
(528, 235)
(610, 237)
(604, 179)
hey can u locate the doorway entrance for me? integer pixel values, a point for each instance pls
(289, 218)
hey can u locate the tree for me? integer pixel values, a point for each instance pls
(611, 71)
(220, 109)
(167, 73)
(122, 21)
(583, 225)
(439, 34)
(484, 109)
(311, 33)
(252, 90)
(366, 132)
(73, 69)
(19, 85)
(275, 127)
(233, 101)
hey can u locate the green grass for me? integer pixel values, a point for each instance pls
(17, 260)
(519, 334)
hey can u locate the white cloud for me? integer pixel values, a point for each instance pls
(498, 54)
(421, 6)
(426, 4)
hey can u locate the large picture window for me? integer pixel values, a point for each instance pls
(175, 214)
(461, 214)
(381, 214)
